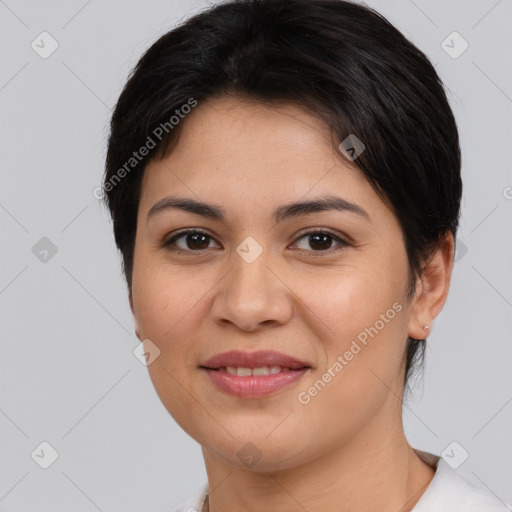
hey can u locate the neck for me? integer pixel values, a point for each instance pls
(376, 470)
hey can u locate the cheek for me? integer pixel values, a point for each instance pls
(366, 314)
(162, 294)
(166, 308)
(362, 365)
(350, 300)
(168, 314)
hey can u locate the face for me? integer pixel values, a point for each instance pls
(324, 286)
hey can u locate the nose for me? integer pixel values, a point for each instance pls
(253, 295)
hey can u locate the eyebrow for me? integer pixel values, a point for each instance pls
(284, 212)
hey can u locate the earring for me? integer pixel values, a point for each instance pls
(426, 327)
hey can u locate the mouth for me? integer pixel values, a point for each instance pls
(254, 374)
(262, 362)
(259, 371)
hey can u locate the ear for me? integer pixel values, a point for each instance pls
(432, 289)
(130, 297)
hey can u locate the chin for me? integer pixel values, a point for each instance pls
(261, 455)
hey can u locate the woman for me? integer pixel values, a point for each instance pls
(284, 182)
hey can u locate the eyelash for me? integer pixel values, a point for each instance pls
(342, 243)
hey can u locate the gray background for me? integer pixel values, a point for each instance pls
(68, 373)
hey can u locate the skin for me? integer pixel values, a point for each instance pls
(345, 450)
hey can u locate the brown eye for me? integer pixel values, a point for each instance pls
(191, 241)
(322, 241)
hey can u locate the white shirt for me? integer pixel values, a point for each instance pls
(447, 492)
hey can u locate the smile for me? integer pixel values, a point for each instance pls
(253, 382)
(247, 372)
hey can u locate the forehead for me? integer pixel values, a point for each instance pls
(233, 129)
(241, 151)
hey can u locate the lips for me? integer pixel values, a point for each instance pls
(254, 374)
(241, 359)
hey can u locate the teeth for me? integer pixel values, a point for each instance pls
(247, 372)
(260, 371)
